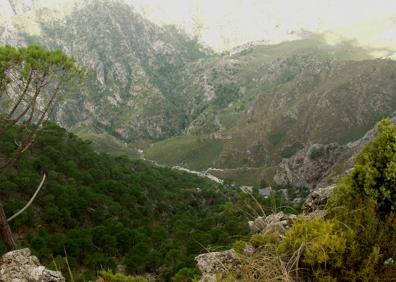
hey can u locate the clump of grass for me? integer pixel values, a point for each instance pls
(266, 264)
(108, 276)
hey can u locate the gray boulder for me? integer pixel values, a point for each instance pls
(308, 166)
(316, 202)
(216, 263)
(278, 222)
(21, 266)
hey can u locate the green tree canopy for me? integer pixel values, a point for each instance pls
(374, 174)
(31, 80)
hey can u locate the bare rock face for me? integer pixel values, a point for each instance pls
(321, 165)
(307, 167)
(211, 264)
(278, 222)
(21, 266)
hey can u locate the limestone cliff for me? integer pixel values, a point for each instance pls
(321, 165)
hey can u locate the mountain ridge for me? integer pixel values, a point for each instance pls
(155, 89)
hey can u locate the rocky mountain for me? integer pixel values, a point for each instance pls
(321, 165)
(254, 108)
(134, 63)
(136, 68)
(156, 90)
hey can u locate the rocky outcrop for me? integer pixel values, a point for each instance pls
(307, 167)
(273, 223)
(315, 205)
(316, 202)
(216, 264)
(21, 266)
(321, 165)
(211, 264)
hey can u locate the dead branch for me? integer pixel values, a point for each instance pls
(31, 200)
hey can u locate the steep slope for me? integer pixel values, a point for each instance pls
(136, 68)
(267, 102)
(135, 65)
(346, 231)
(107, 211)
(155, 89)
(320, 165)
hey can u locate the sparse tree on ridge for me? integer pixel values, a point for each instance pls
(31, 81)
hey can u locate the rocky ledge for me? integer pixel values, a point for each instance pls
(277, 222)
(21, 266)
(217, 264)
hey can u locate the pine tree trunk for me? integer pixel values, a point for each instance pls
(5, 231)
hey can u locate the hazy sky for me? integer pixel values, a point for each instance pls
(225, 23)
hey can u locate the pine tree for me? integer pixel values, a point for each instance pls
(31, 81)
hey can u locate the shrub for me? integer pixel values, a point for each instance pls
(360, 231)
(259, 240)
(357, 236)
(315, 151)
(239, 246)
(374, 174)
(186, 275)
(319, 241)
(108, 276)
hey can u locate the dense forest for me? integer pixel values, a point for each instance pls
(96, 212)
(102, 211)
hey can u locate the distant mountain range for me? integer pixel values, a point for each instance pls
(156, 90)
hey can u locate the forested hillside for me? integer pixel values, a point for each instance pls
(104, 211)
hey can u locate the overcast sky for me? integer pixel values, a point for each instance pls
(223, 24)
(226, 23)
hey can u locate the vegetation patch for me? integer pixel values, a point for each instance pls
(101, 211)
(248, 176)
(356, 241)
(190, 151)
